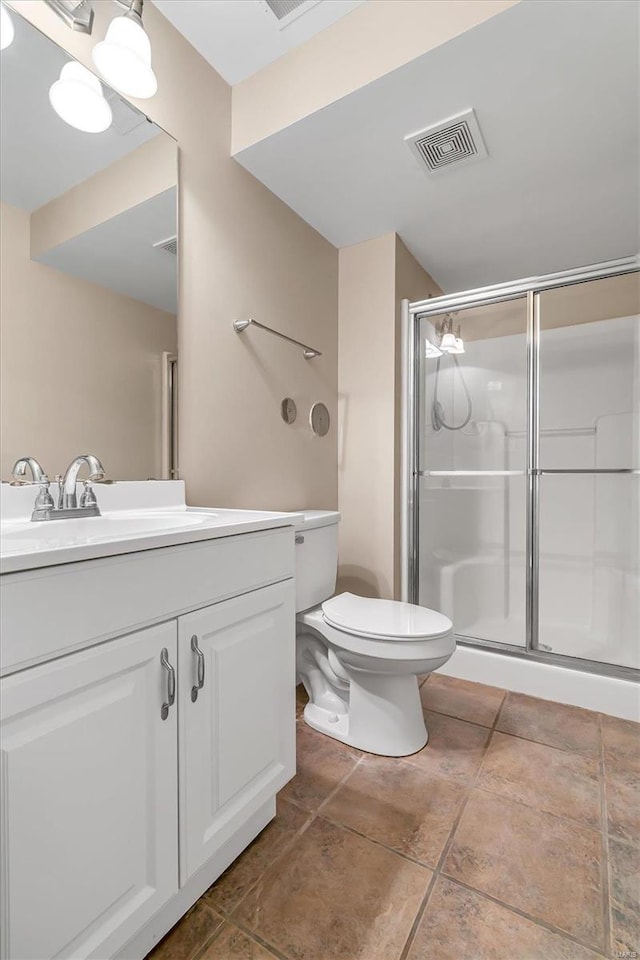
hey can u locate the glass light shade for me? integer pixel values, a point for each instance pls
(124, 59)
(448, 344)
(6, 29)
(78, 99)
(459, 346)
(431, 352)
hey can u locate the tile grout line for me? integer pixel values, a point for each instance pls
(248, 933)
(448, 844)
(606, 893)
(339, 785)
(205, 946)
(311, 816)
(522, 803)
(537, 921)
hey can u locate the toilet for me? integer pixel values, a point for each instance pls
(359, 658)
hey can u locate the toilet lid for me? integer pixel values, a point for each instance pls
(384, 619)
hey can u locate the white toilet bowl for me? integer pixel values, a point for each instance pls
(363, 686)
(359, 658)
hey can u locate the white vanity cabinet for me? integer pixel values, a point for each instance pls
(118, 806)
(237, 742)
(89, 799)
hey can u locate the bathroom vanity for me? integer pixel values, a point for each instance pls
(148, 717)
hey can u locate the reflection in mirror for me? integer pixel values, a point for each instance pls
(89, 277)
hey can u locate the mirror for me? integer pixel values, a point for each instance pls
(88, 277)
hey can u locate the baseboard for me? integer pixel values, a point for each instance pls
(612, 695)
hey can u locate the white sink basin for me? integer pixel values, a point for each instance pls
(137, 515)
(27, 537)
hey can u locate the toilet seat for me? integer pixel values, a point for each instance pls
(384, 620)
(398, 650)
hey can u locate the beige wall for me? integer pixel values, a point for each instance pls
(80, 366)
(385, 34)
(242, 253)
(140, 175)
(374, 277)
(412, 283)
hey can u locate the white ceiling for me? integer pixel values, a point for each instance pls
(240, 37)
(119, 253)
(555, 89)
(42, 156)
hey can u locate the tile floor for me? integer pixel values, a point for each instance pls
(513, 835)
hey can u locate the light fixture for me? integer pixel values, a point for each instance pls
(459, 345)
(124, 56)
(78, 99)
(450, 342)
(431, 351)
(6, 28)
(77, 14)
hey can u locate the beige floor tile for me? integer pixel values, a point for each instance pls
(547, 867)
(624, 876)
(229, 889)
(625, 933)
(233, 944)
(454, 750)
(475, 702)
(622, 790)
(559, 725)
(544, 777)
(459, 923)
(336, 896)
(321, 764)
(621, 742)
(402, 806)
(189, 936)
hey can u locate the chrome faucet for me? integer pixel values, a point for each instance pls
(67, 507)
(68, 498)
(20, 468)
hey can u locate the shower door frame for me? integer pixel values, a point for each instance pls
(412, 313)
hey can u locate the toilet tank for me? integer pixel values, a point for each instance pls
(316, 557)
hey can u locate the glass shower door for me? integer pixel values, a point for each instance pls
(472, 471)
(589, 476)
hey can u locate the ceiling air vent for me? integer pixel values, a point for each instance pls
(285, 11)
(170, 245)
(454, 141)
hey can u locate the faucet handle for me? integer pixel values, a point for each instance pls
(88, 498)
(44, 500)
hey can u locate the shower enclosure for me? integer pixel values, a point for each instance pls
(522, 466)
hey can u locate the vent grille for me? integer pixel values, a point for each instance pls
(286, 11)
(454, 141)
(283, 8)
(170, 245)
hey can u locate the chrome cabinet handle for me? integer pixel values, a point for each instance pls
(199, 667)
(171, 683)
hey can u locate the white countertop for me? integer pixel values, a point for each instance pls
(136, 515)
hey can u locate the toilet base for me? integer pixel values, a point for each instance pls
(384, 715)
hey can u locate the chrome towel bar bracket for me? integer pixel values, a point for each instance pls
(309, 352)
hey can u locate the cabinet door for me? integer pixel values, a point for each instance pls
(237, 738)
(89, 799)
